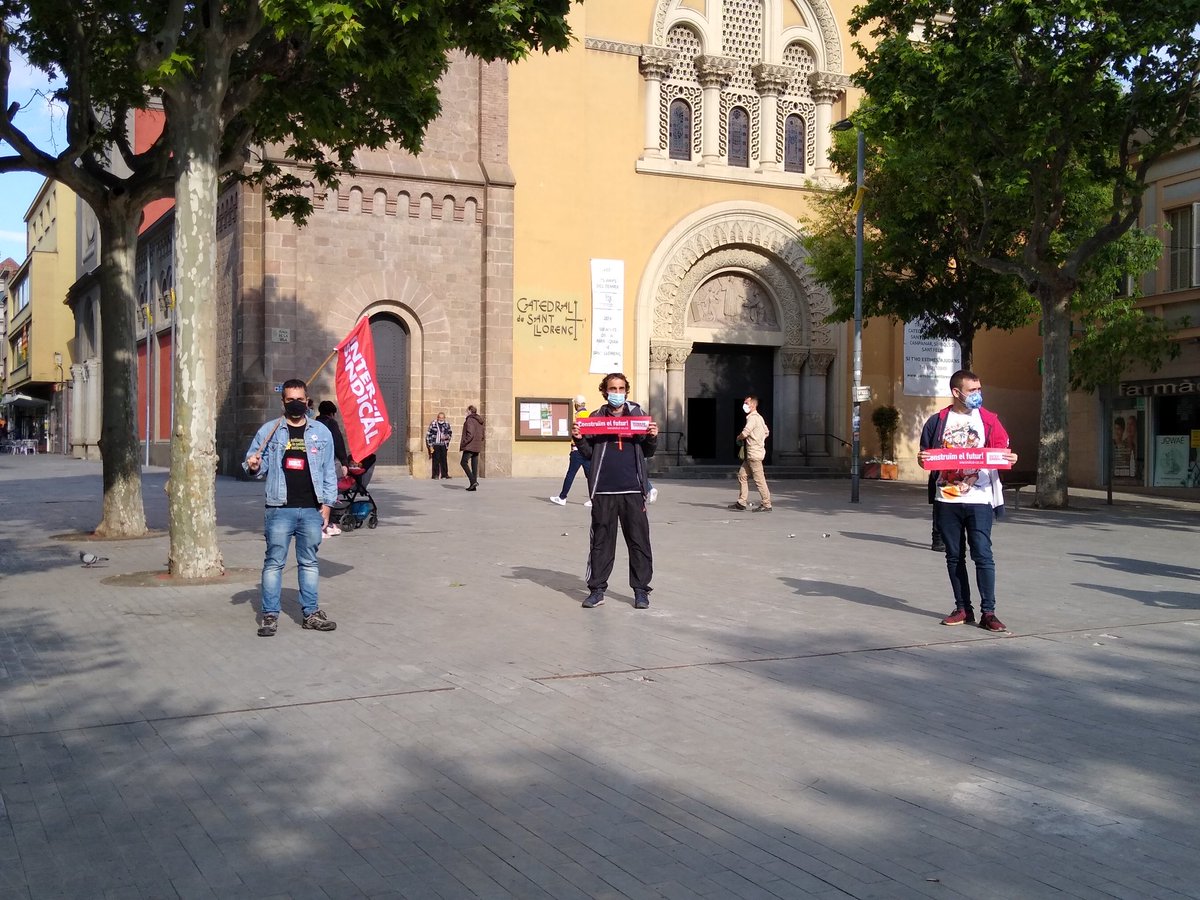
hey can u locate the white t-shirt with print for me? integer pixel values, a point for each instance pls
(964, 485)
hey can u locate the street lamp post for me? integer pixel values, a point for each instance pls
(856, 417)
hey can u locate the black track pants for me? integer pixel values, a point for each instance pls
(630, 511)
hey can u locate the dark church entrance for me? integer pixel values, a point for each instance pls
(391, 371)
(717, 378)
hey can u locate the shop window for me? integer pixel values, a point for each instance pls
(1182, 250)
(793, 144)
(681, 130)
(739, 137)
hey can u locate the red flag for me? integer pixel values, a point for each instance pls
(359, 397)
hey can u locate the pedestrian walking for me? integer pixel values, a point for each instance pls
(753, 450)
(296, 455)
(967, 500)
(618, 487)
(437, 439)
(471, 445)
(575, 461)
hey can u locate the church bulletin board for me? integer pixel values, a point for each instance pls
(543, 419)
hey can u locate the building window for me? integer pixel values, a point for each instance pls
(21, 295)
(681, 130)
(793, 144)
(739, 137)
(1181, 253)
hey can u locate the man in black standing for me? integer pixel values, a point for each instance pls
(619, 485)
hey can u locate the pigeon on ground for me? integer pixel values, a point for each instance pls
(90, 559)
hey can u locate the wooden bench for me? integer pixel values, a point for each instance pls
(1017, 479)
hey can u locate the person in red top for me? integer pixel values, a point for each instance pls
(967, 501)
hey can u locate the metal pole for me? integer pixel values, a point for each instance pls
(856, 418)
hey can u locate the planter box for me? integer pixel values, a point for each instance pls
(889, 471)
(871, 470)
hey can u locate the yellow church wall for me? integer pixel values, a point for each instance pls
(576, 133)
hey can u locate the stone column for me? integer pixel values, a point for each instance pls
(814, 388)
(677, 389)
(93, 404)
(787, 434)
(654, 64)
(714, 73)
(827, 89)
(659, 355)
(78, 385)
(772, 81)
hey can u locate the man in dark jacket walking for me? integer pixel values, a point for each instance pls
(471, 446)
(619, 486)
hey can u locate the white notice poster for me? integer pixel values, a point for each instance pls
(608, 315)
(928, 363)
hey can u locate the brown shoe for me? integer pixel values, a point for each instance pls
(960, 616)
(989, 622)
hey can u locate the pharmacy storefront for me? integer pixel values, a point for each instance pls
(1155, 425)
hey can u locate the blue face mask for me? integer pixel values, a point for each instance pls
(974, 400)
(616, 399)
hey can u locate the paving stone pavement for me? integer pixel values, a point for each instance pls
(788, 719)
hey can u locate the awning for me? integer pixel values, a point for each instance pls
(22, 400)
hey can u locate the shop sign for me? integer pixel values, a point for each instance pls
(1174, 388)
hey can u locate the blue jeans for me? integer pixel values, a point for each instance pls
(281, 525)
(975, 519)
(577, 462)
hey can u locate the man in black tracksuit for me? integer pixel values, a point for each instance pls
(618, 485)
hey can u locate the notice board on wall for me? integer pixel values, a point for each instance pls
(543, 419)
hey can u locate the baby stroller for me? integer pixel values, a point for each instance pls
(355, 505)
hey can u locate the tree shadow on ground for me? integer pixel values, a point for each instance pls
(1153, 599)
(1140, 566)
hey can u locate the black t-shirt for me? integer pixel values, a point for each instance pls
(300, 492)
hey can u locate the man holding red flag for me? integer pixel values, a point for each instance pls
(361, 402)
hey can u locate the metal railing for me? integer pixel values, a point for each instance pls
(804, 448)
(680, 443)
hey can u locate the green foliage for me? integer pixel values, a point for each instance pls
(886, 420)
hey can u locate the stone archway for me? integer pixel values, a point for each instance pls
(761, 244)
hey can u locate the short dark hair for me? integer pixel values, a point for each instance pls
(609, 377)
(753, 397)
(327, 408)
(291, 384)
(472, 409)
(959, 377)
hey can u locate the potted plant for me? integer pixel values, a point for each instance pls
(886, 419)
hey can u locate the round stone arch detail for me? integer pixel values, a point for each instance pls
(407, 299)
(827, 25)
(753, 237)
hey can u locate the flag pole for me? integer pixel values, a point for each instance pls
(321, 366)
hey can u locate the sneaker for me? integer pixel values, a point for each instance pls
(588, 505)
(960, 617)
(641, 600)
(653, 494)
(473, 486)
(270, 624)
(331, 530)
(559, 500)
(761, 508)
(594, 599)
(989, 622)
(937, 546)
(738, 507)
(318, 621)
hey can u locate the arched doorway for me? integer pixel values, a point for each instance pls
(391, 340)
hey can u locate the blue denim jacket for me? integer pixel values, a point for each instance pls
(319, 443)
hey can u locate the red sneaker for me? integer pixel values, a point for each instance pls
(960, 617)
(989, 622)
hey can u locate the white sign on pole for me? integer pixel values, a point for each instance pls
(928, 363)
(608, 315)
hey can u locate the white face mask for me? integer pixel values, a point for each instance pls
(746, 407)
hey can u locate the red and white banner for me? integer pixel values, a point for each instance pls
(624, 426)
(970, 458)
(359, 398)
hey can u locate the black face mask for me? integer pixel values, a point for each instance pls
(295, 408)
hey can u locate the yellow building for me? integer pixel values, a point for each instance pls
(40, 326)
(661, 167)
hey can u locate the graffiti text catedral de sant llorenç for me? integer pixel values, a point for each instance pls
(549, 317)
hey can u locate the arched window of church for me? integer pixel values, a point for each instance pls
(681, 130)
(793, 144)
(739, 137)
